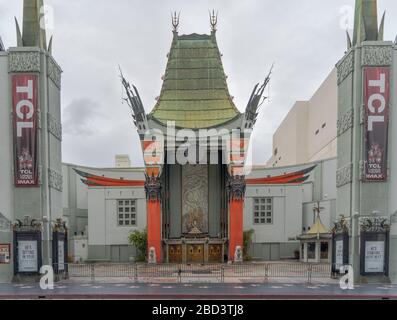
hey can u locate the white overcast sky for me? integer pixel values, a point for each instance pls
(91, 37)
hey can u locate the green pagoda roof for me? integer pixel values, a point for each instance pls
(194, 93)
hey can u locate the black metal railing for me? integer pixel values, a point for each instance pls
(199, 273)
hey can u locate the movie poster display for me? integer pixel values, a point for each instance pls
(61, 255)
(27, 256)
(376, 121)
(25, 127)
(5, 253)
(339, 254)
(374, 256)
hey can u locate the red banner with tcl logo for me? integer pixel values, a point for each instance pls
(376, 103)
(24, 110)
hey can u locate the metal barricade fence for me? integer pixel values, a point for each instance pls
(158, 272)
(200, 273)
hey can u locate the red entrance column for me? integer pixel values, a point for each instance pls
(236, 187)
(153, 202)
(236, 226)
(154, 227)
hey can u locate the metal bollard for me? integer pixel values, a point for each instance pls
(92, 268)
(266, 272)
(135, 272)
(179, 275)
(309, 273)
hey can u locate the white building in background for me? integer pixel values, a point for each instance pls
(308, 132)
(122, 161)
(100, 233)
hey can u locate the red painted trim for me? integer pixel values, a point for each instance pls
(288, 178)
(93, 180)
(154, 227)
(115, 183)
(274, 180)
(236, 207)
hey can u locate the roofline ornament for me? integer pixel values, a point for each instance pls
(175, 19)
(135, 103)
(28, 224)
(256, 100)
(213, 20)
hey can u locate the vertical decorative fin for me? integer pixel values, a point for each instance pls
(362, 32)
(382, 27)
(33, 29)
(365, 21)
(19, 35)
(50, 46)
(348, 39)
(2, 48)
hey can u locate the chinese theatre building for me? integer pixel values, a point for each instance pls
(194, 143)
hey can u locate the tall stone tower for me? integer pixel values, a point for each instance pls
(367, 160)
(31, 135)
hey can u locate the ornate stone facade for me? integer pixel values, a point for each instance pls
(345, 122)
(344, 175)
(153, 188)
(28, 224)
(54, 72)
(377, 56)
(40, 170)
(194, 199)
(54, 127)
(55, 179)
(342, 226)
(374, 224)
(345, 67)
(236, 187)
(22, 61)
(59, 226)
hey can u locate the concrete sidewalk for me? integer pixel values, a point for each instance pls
(196, 291)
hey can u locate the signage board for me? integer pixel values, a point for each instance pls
(376, 121)
(25, 126)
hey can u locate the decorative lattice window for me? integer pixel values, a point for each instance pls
(263, 210)
(126, 213)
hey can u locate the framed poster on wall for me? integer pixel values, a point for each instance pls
(5, 253)
(374, 256)
(60, 250)
(27, 256)
(27, 252)
(374, 253)
(340, 251)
